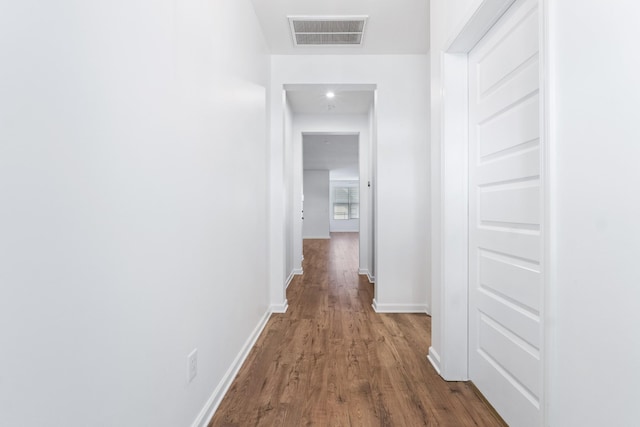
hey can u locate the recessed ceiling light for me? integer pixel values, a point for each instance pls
(331, 95)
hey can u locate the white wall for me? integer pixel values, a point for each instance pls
(124, 244)
(595, 237)
(402, 269)
(342, 225)
(316, 204)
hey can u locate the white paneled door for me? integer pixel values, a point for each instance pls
(505, 214)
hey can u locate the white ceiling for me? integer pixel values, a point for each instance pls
(393, 26)
(335, 153)
(312, 99)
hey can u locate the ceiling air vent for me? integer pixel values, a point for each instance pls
(327, 30)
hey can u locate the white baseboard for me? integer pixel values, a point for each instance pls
(289, 279)
(365, 272)
(434, 358)
(399, 308)
(205, 415)
(316, 237)
(295, 272)
(280, 308)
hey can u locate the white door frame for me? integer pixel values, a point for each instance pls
(367, 173)
(451, 359)
(363, 237)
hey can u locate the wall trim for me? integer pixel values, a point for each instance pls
(294, 272)
(365, 272)
(289, 279)
(209, 409)
(316, 237)
(279, 308)
(453, 284)
(399, 308)
(434, 358)
(478, 21)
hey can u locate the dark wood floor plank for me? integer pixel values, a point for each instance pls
(332, 361)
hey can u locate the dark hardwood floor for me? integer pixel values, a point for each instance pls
(332, 361)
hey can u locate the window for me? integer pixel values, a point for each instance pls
(346, 203)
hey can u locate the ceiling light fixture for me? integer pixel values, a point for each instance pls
(331, 95)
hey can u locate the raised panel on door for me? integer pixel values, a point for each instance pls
(505, 213)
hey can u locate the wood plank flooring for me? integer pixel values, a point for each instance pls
(332, 361)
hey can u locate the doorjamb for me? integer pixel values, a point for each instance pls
(366, 174)
(451, 359)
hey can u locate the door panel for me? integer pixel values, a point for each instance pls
(511, 50)
(521, 244)
(513, 277)
(515, 204)
(511, 352)
(524, 164)
(502, 309)
(514, 126)
(505, 217)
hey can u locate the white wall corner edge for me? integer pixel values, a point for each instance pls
(399, 308)
(434, 358)
(205, 415)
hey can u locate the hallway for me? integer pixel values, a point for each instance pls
(331, 360)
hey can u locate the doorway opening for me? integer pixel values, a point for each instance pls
(329, 169)
(331, 186)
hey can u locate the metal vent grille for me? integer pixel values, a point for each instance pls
(327, 31)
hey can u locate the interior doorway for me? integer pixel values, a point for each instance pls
(329, 168)
(331, 185)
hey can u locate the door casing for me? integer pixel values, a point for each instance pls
(451, 358)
